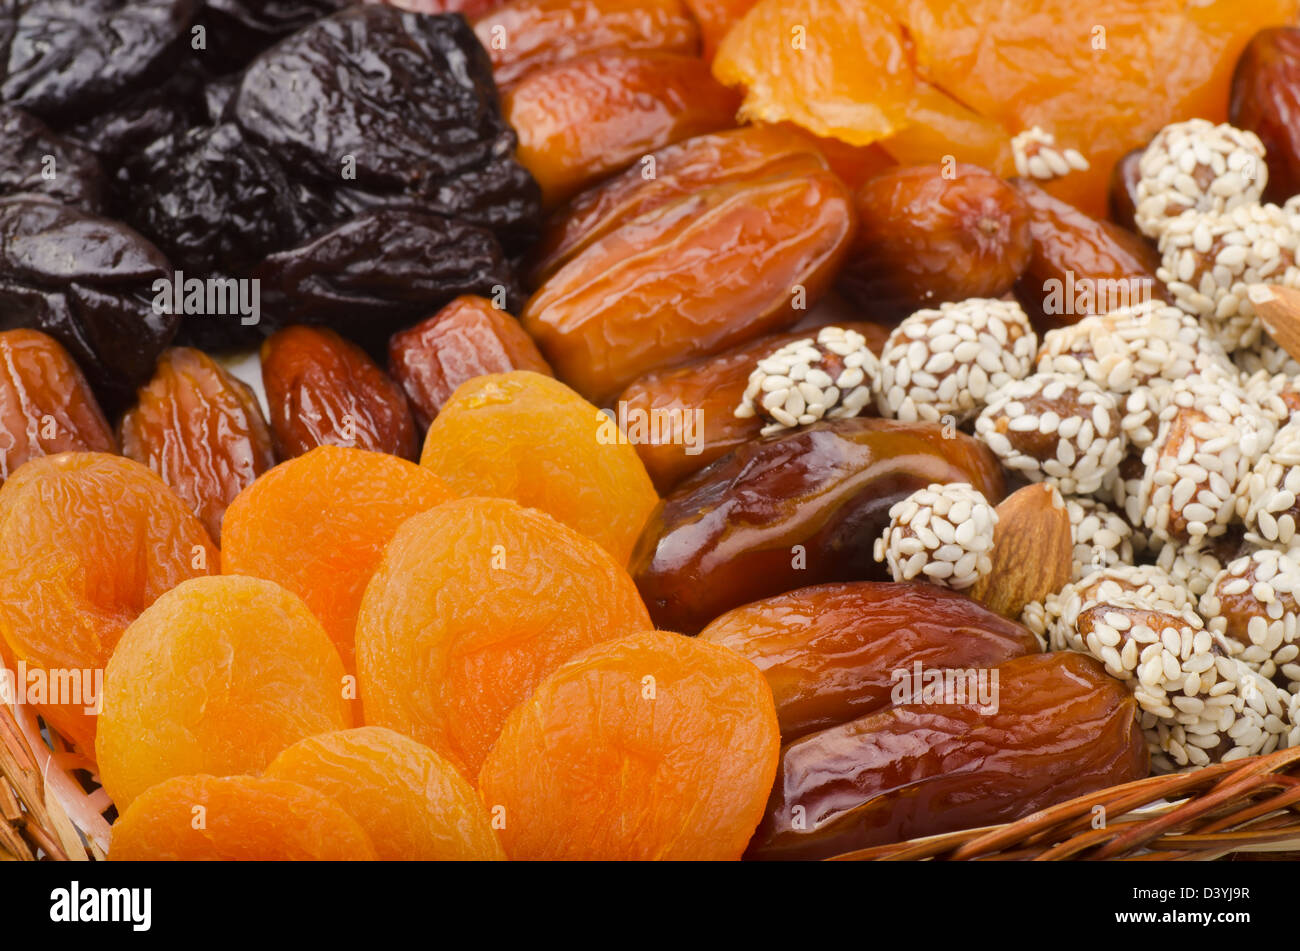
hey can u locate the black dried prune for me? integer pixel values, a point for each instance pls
(276, 17)
(385, 104)
(382, 270)
(36, 160)
(61, 59)
(88, 282)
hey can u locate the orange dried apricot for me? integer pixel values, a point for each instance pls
(217, 676)
(412, 803)
(87, 542)
(236, 818)
(715, 18)
(318, 524)
(473, 604)
(652, 746)
(530, 438)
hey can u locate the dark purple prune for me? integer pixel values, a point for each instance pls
(384, 103)
(61, 59)
(132, 125)
(88, 282)
(36, 160)
(382, 270)
(276, 17)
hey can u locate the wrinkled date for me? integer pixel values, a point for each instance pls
(1049, 728)
(791, 511)
(323, 390)
(690, 279)
(1266, 100)
(690, 411)
(831, 653)
(35, 160)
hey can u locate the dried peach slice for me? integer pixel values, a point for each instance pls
(87, 542)
(652, 746)
(318, 525)
(412, 803)
(236, 818)
(530, 438)
(217, 676)
(473, 604)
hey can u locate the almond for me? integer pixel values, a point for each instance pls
(1278, 308)
(1032, 551)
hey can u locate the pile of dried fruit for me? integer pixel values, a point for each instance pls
(645, 432)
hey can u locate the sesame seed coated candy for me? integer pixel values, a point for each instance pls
(942, 534)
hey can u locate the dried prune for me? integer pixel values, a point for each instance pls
(1050, 727)
(692, 278)
(580, 120)
(382, 270)
(36, 160)
(323, 390)
(276, 17)
(383, 102)
(830, 652)
(64, 58)
(88, 283)
(1266, 100)
(926, 236)
(792, 510)
(1079, 265)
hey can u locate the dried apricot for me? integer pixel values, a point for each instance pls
(201, 430)
(530, 438)
(87, 542)
(651, 746)
(583, 119)
(473, 604)
(217, 676)
(318, 524)
(467, 338)
(411, 802)
(715, 18)
(236, 818)
(325, 391)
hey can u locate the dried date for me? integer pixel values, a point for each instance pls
(1265, 99)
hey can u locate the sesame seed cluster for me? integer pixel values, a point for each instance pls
(942, 533)
(1036, 156)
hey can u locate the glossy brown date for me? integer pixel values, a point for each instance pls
(829, 652)
(1265, 99)
(1056, 726)
(790, 511)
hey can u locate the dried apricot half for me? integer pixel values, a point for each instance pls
(237, 818)
(218, 676)
(412, 803)
(530, 438)
(87, 542)
(473, 604)
(652, 746)
(318, 524)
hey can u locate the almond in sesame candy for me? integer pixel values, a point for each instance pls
(942, 534)
(1054, 428)
(945, 362)
(1122, 490)
(1102, 538)
(1036, 156)
(1195, 566)
(1253, 604)
(1270, 499)
(1197, 166)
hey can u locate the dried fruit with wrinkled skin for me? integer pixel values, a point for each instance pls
(829, 652)
(37, 160)
(1266, 101)
(530, 438)
(1060, 727)
(651, 746)
(201, 430)
(217, 676)
(87, 542)
(412, 803)
(245, 818)
(469, 337)
(474, 603)
(46, 405)
(690, 279)
(939, 126)
(926, 237)
(318, 524)
(525, 35)
(581, 120)
(674, 440)
(672, 173)
(715, 18)
(88, 282)
(791, 511)
(1123, 190)
(325, 391)
(1080, 265)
